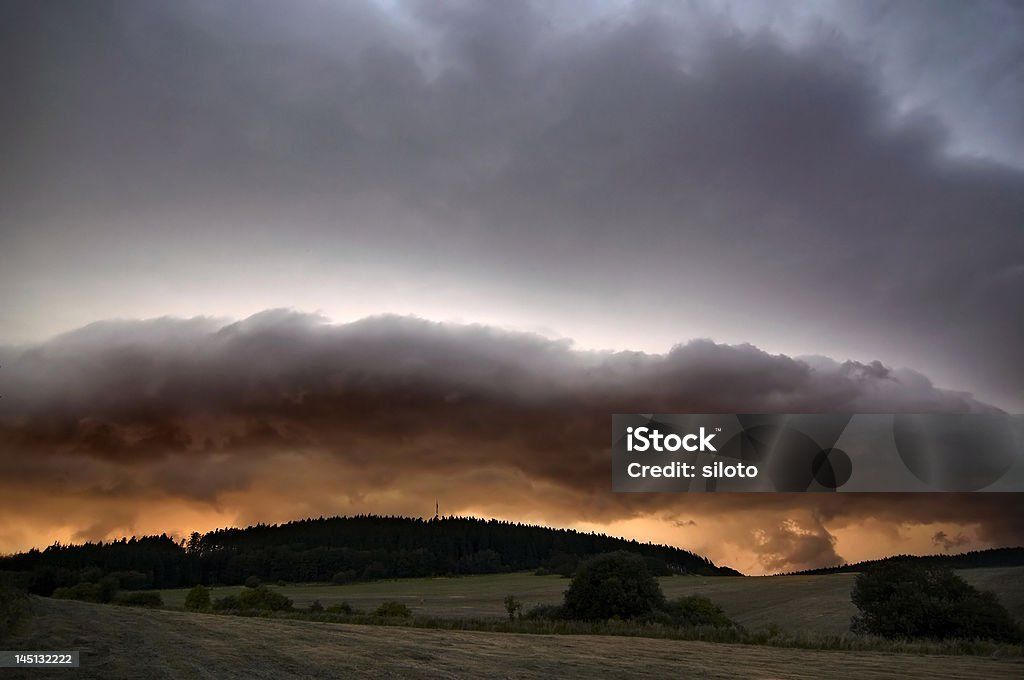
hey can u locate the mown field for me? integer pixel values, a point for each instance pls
(124, 643)
(797, 604)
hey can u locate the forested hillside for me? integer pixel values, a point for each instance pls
(975, 559)
(338, 549)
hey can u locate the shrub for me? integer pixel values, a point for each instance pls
(906, 600)
(316, 607)
(343, 608)
(140, 598)
(393, 609)
(262, 598)
(198, 599)
(613, 585)
(549, 612)
(226, 603)
(695, 610)
(513, 606)
(253, 582)
(86, 592)
(108, 587)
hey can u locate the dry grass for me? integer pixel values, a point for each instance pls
(795, 604)
(125, 643)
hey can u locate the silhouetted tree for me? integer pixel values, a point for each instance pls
(907, 600)
(198, 599)
(613, 585)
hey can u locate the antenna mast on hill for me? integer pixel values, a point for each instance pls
(436, 509)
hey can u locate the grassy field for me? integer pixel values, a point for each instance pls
(797, 604)
(119, 642)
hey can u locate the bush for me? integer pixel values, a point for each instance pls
(393, 609)
(343, 608)
(262, 598)
(547, 612)
(253, 582)
(140, 599)
(198, 599)
(613, 585)
(513, 606)
(316, 607)
(228, 603)
(695, 610)
(108, 587)
(86, 592)
(906, 600)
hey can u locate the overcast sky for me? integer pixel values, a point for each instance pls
(839, 181)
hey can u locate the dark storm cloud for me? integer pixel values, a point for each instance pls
(703, 169)
(199, 410)
(128, 390)
(783, 174)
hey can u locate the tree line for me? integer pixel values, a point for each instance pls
(339, 549)
(974, 559)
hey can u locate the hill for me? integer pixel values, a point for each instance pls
(975, 559)
(338, 549)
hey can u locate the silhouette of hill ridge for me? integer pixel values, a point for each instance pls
(339, 549)
(974, 559)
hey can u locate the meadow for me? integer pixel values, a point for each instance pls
(130, 644)
(797, 604)
(460, 629)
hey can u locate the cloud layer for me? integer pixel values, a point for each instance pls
(283, 414)
(626, 175)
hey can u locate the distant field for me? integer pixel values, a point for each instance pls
(794, 603)
(133, 644)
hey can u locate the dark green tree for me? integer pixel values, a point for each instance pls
(198, 599)
(908, 600)
(617, 584)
